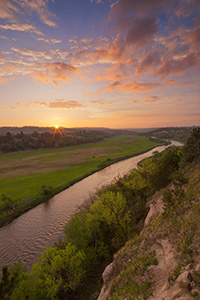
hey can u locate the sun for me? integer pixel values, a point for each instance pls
(56, 128)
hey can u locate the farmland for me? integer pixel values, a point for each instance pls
(28, 178)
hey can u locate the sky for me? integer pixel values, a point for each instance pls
(100, 63)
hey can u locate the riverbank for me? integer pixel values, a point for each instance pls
(28, 204)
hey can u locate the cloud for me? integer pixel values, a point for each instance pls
(11, 10)
(49, 41)
(6, 38)
(170, 82)
(35, 54)
(116, 72)
(72, 104)
(152, 99)
(95, 93)
(173, 99)
(115, 84)
(178, 66)
(57, 104)
(124, 8)
(97, 1)
(8, 10)
(113, 52)
(150, 60)
(100, 102)
(3, 80)
(194, 37)
(139, 32)
(54, 72)
(133, 86)
(186, 8)
(133, 101)
(21, 27)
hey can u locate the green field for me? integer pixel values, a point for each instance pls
(23, 174)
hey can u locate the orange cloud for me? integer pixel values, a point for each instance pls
(150, 60)
(49, 41)
(57, 104)
(3, 80)
(152, 99)
(134, 86)
(54, 72)
(133, 101)
(178, 66)
(173, 99)
(194, 38)
(21, 27)
(100, 102)
(11, 10)
(95, 93)
(8, 10)
(115, 73)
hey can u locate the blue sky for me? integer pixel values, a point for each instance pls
(117, 64)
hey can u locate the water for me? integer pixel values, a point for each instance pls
(26, 237)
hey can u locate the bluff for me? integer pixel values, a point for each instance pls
(163, 262)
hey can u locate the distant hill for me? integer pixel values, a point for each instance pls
(180, 134)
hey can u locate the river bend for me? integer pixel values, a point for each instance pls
(26, 237)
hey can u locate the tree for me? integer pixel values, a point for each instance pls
(192, 147)
(57, 273)
(112, 210)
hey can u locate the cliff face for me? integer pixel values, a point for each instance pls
(163, 262)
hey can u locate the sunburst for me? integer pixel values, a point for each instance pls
(56, 129)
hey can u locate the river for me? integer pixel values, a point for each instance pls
(27, 236)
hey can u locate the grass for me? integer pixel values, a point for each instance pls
(23, 174)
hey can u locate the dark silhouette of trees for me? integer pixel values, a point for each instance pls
(26, 141)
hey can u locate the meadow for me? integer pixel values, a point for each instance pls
(27, 178)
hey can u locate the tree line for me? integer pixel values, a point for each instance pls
(21, 141)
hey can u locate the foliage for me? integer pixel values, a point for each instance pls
(25, 141)
(46, 189)
(57, 273)
(10, 279)
(6, 202)
(112, 211)
(180, 134)
(192, 147)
